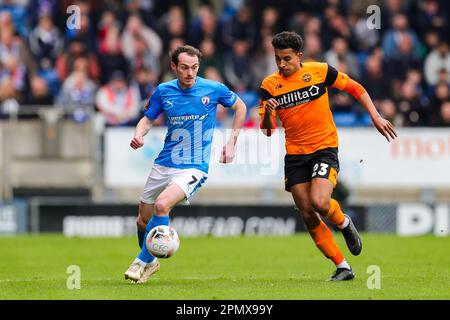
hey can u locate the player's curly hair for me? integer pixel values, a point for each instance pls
(288, 39)
(190, 50)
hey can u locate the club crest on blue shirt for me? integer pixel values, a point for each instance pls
(205, 100)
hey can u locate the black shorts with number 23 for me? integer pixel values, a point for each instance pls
(302, 168)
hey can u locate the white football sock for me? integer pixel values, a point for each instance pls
(153, 262)
(344, 224)
(344, 265)
(140, 262)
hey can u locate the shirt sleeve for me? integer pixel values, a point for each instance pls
(335, 78)
(227, 98)
(154, 106)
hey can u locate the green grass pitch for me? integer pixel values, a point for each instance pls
(206, 268)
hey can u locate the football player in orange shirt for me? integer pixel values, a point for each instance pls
(298, 94)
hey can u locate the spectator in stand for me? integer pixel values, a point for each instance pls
(444, 76)
(415, 76)
(18, 14)
(389, 8)
(431, 40)
(313, 25)
(118, 102)
(147, 81)
(404, 60)
(110, 54)
(270, 23)
(77, 93)
(145, 9)
(237, 66)
(15, 60)
(135, 29)
(238, 72)
(430, 17)
(172, 25)
(389, 112)
(212, 73)
(6, 21)
(444, 119)
(45, 42)
(65, 62)
(441, 92)
(375, 80)
(440, 95)
(231, 7)
(336, 26)
(243, 28)
(313, 49)
(411, 107)
(340, 52)
(108, 24)
(366, 38)
(263, 63)
(37, 8)
(39, 93)
(211, 57)
(436, 61)
(143, 57)
(397, 39)
(206, 26)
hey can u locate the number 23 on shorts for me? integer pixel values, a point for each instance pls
(324, 170)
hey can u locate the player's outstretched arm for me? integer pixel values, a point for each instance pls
(238, 121)
(359, 93)
(142, 129)
(385, 127)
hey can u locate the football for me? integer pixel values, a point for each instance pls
(162, 241)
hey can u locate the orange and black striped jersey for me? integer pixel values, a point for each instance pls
(304, 108)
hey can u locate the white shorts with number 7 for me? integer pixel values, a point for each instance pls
(189, 180)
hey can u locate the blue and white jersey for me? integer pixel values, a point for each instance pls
(191, 117)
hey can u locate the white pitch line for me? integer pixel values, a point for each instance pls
(107, 279)
(27, 280)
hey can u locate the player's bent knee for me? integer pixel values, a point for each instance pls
(321, 205)
(161, 208)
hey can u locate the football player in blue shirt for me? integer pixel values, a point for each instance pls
(190, 104)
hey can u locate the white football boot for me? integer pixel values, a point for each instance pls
(135, 271)
(149, 269)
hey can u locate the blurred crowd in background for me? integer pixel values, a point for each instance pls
(119, 54)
